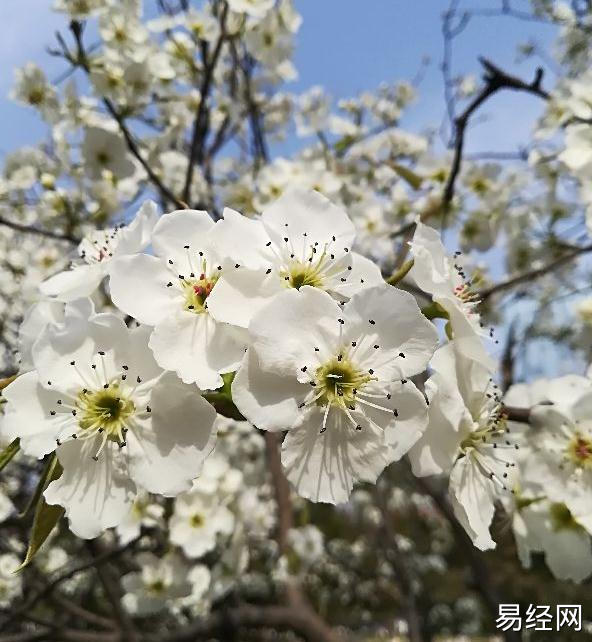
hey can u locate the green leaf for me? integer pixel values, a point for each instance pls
(51, 471)
(342, 144)
(46, 517)
(9, 452)
(413, 179)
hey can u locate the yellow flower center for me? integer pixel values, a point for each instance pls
(338, 381)
(105, 411)
(579, 451)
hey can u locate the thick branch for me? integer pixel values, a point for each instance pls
(495, 80)
(280, 618)
(281, 489)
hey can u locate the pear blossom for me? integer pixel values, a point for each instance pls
(438, 274)
(171, 292)
(96, 253)
(302, 239)
(336, 377)
(548, 527)
(104, 150)
(467, 438)
(144, 511)
(32, 88)
(561, 462)
(198, 518)
(256, 9)
(10, 582)
(6, 506)
(120, 425)
(158, 582)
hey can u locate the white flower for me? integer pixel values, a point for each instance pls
(437, 274)
(33, 89)
(105, 150)
(144, 512)
(158, 582)
(10, 582)
(218, 477)
(6, 506)
(308, 543)
(197, 520)
(301, 240)
(37, 317)
(253, 8)
(171, 291)
(97, 251)
(120, 423)
(257, 514)
(561, 464)
(577, 154)
(335, 378)
(542, 526)
(467, 438)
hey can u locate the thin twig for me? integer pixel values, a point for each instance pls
(82, 61)
(533, 274)
(29, 229)
(200, 125)
(495, 80)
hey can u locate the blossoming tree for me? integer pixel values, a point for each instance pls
(244, 393)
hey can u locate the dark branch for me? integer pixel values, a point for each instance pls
(29, 229)
(534, 274)
(495, 80)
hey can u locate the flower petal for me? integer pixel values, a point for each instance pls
(324, 466)
(96, 494)
(268, 401)
(167, 452)
(311, 218)
(138, 287)
(80, 281)
(198, 348)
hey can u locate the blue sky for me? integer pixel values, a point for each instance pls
(345, 45)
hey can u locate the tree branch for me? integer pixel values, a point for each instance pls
(82, 61)
(495, 80)
(534, 274)
(29, 229)
(200, 125)
(113, 594)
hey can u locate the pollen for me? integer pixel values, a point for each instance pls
(339, 381)
(105, 411)
(197, 291)
(579, 451)
(300, 274)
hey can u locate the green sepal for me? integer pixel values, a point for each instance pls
(9, 452)
(434, 311)
(448, 330)
(413, 179)
(401, 273)
(46, 516)
(343, 143)
(221, 398)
